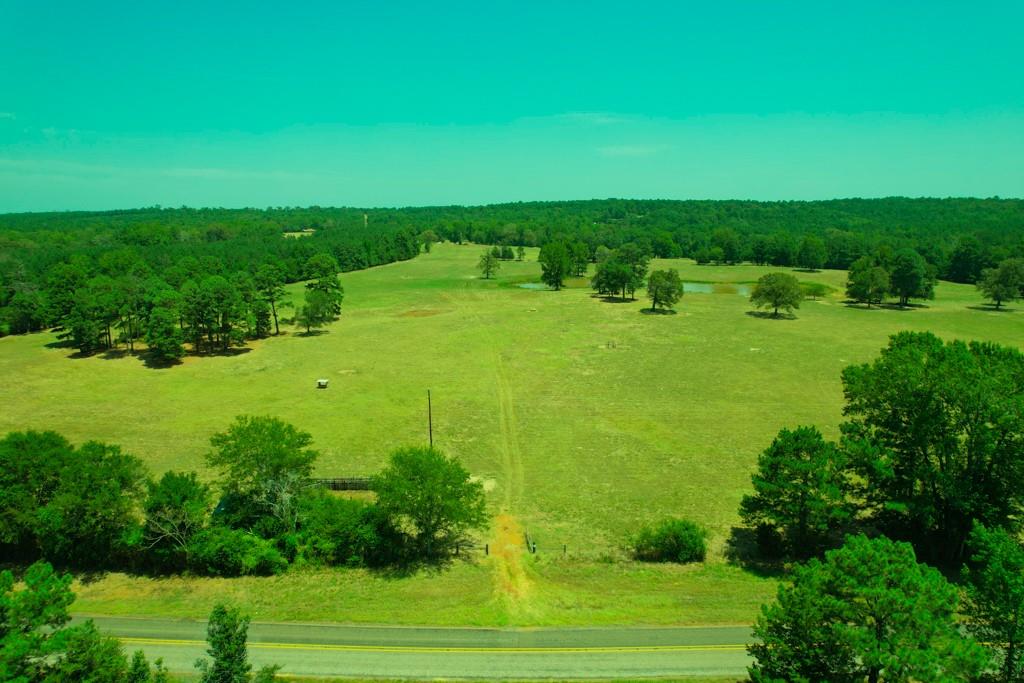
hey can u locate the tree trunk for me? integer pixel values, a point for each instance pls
(273, 309)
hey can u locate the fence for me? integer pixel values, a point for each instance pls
(344, 483)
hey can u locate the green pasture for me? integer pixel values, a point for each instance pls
(584, 418)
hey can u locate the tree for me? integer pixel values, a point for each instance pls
(775, 291)
(316, 312)
(812, 253)
(176, 509)
(520, 253)
(428, 237)
(227, 633)
(868, 611)
(36, 644)
(579, 254)
(612, 276)
(911, 277)
(488, 264)
(967, 261)
(270, 284)
(555, 264)
(163, 336)
(322, 270)
(800, 491)
(934, 433)
(867, 282)
(431, 499)
(93, 510)
(31, 464)
(995, 600)
(728, 241)
(1005, 282)
(265, 460)
(664, 288)
(636, 259)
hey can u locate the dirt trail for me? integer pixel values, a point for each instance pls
(511, 581)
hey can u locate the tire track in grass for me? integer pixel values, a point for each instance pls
(513, 585)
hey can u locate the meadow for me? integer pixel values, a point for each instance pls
(583, 418)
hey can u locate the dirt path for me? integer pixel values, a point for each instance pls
(511, 582)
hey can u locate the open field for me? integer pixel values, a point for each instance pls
(584, 419)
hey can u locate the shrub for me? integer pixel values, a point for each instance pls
(671, 540)
(219, 551)
(336, 530)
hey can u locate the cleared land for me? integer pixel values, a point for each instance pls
(584, 418)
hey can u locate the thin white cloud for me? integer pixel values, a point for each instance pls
(9, 115)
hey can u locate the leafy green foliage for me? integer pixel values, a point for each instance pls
(800, 492)
(1004, 282)
(266, 460)
(177, 507)
(911, 277)
(555, 264)
(316, 312)
(775, 291)
(430, 499)
(995, 600)
(220, 551)
(340, 531)
(868, 611)
(322, 270)
(934, 434)
(671, 540)
(227, 633)
(664, 288)
(867, 282)
(812, 254)
(36, 644)
(489, 264)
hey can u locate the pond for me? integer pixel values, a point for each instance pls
(715, 288)
(533, 285)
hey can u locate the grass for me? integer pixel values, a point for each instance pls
(586, 419)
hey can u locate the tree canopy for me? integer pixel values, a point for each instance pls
(775, 291)
(869, 611)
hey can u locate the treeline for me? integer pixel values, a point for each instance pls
(959, 238)
(94, 507)
(110, 266)
(928, 465)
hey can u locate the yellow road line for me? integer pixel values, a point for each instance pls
(413, 649)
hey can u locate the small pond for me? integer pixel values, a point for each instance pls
(533, 285)
(715, 288)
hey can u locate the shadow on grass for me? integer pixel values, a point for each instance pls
(771, 316)
(658, 311)
(60, 344)
(609, 299)
(311, 333)
(741, 550)
(116, 354)
(155, 362)
(990, 308)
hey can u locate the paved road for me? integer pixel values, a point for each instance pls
(399, 652)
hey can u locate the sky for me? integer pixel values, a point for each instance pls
(119, 105)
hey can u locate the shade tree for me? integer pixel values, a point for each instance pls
(777, 291)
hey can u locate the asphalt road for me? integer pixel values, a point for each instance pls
(400, 652)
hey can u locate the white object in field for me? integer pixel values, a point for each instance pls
(321, 384)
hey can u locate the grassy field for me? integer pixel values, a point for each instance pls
(584, 418)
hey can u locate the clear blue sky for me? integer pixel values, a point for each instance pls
(110, 105)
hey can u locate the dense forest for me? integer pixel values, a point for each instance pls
(138, 260)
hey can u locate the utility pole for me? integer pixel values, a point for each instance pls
(430, 420)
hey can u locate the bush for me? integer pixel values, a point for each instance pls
(671, 540)
(219, 551)
(337, 531)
